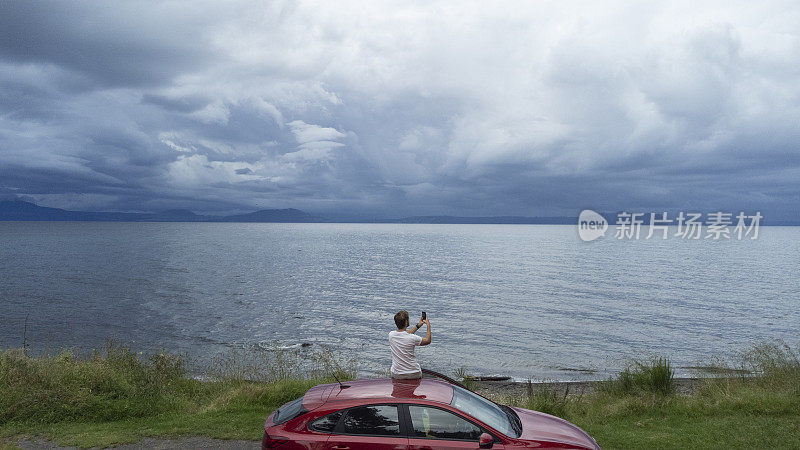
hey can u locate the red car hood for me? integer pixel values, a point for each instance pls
(538, 426)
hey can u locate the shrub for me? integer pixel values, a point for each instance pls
(654, 375)
(110, 386)
(775, 364)
(546, 400)
(118, 384)
(267, 364)
(463, 377)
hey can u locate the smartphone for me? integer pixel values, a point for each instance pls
(424, 316)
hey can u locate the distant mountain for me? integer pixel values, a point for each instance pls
(26, 211)
(21, 210)
(179, 215)
(487, 220)
(272, 215)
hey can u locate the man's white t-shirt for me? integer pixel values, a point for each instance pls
(402, 345)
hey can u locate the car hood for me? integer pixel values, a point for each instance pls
(539, 426)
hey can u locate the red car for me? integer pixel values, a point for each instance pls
(417, 414)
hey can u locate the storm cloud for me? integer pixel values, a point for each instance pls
(393, 108)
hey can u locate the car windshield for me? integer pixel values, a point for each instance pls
(483, 410)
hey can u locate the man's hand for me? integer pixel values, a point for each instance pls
(416, 327)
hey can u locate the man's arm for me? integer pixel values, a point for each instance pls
(416, 327)
(427, 339)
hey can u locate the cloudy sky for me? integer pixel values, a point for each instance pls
(402, 108)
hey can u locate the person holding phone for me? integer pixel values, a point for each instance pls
(402, 342)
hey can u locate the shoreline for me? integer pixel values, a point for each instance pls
(511, 388)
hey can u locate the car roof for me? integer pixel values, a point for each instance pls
(380, 389)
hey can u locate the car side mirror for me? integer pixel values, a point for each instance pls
(485, 441)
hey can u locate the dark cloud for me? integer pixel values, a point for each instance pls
(118, 44)
(179, 104)
(375, 110)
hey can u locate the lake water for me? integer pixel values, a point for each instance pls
(530, 301)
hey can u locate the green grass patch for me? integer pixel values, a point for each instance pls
(118, 396)
(639, 408)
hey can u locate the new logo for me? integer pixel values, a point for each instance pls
(591, 225)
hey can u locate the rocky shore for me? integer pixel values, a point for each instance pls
(498, 388)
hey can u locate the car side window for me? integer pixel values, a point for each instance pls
(327, 423)
(428, 422)
(376, 420)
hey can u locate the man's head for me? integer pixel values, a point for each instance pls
(401, 319)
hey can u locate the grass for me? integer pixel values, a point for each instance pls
(654, 376)
(462, 376)
(118, 396)
(639, 408)
(540, 398)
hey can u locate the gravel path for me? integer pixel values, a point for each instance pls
(189, 442)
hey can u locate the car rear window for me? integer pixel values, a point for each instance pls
(289, 411)
(375, 420)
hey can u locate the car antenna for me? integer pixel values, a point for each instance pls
(341, 386)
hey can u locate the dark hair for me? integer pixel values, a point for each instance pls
(401, 319)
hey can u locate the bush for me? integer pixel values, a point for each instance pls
(654, 376)
(463, 377)
(774, 363)
(110, 386)
(118, 384)
(546, 400)
(274, 364)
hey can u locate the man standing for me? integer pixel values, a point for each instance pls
(402, 342)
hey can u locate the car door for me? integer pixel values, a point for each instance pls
(432, 428)
(369, 427)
